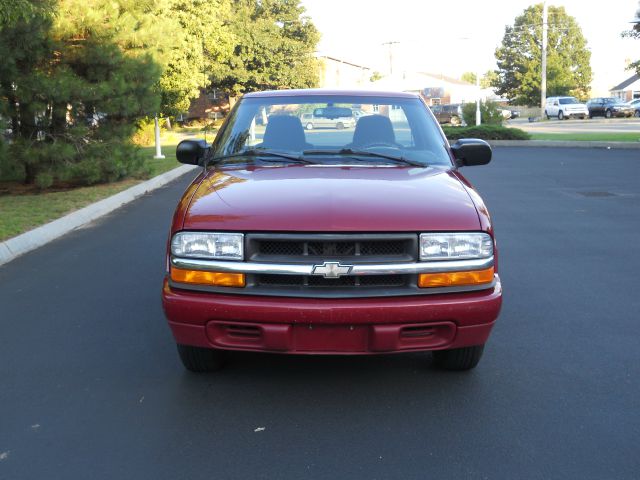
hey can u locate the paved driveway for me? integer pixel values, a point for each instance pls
(92, 386)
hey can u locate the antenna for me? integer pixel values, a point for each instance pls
(204, 78)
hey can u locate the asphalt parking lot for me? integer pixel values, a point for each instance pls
(92, 386)
(593, 125)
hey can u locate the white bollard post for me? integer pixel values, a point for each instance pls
(158, 154)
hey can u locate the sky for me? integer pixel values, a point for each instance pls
(454, 36)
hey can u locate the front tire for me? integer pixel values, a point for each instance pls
(199, 360)
(459, 359)
(560, 115)
(607, 114)
(548, 116)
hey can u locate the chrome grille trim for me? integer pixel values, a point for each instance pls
(358, 269)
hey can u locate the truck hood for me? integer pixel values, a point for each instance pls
(575, 106)
(321, 198)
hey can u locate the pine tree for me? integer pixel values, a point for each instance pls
(73, 93)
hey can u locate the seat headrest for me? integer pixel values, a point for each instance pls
(284, 132)
(373, 129)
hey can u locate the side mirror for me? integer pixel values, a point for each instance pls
(191, 152)
(471, 151)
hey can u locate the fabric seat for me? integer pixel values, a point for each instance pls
(284, 132)
(373, 129)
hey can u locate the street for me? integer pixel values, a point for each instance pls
(92, 386)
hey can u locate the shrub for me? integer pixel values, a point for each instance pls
(145, 133)
(489, 113)
(202, 123)
(85, 163)
(486, 132)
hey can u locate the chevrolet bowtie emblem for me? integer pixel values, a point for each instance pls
(331, 269)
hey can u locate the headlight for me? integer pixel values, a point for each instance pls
(455, 246)
(221, 246)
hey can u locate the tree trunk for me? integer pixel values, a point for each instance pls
(29, 136)
(30, 172)
(12, 102)
(58, 119)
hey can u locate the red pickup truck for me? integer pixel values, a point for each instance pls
(361, 240)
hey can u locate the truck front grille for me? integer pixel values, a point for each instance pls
(372, 248)
(313, 248)
(366, 281)
(316, 249)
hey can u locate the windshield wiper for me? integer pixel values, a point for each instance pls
(365, 153)
(259, 152)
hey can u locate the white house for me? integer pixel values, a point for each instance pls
(627, 90)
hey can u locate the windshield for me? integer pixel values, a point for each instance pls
(321, 128)
(568, 101)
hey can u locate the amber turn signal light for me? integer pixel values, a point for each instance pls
(454, 279)
(198, 277)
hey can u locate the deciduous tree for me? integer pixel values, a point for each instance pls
(274, 45)
(634, 33)
(485, 80)
(519, 57)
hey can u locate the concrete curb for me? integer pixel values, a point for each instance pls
(23, 243)
(563, 144)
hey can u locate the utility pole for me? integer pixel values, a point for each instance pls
(391, 44)
(478, 116)
(543, 80)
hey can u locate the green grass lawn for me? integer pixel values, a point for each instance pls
(589, 136)
(22, 212)
(158, 166)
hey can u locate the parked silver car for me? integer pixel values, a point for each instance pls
(328, 117)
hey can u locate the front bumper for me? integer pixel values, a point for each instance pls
(623, 113)
(331, 326)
